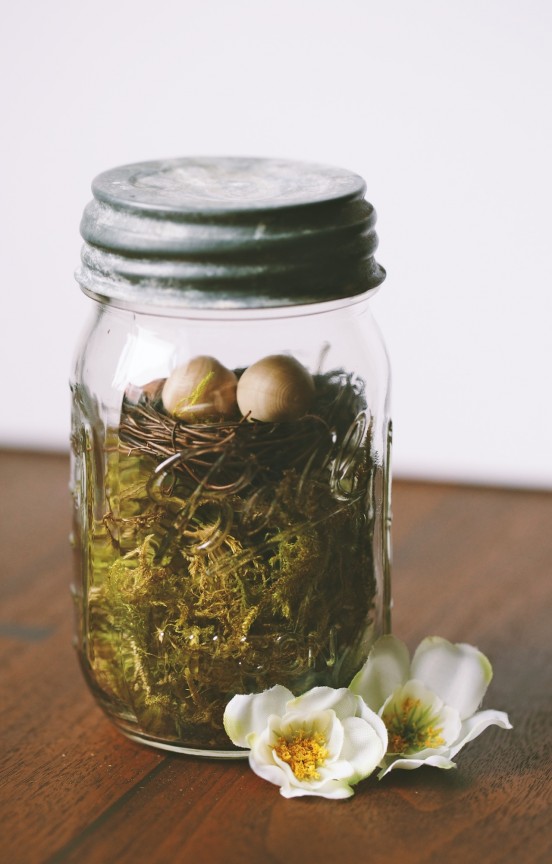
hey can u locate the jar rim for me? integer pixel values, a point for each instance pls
(241, 231)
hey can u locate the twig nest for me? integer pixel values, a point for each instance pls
(274, 389)
(201, 388)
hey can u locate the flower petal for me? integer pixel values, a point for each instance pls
(268, 770)
(265, 762)
(474, 726)
(375, 721)
(334, 734)
(330, 789)
(340, 700)
(363, 747)
(459, 674)
(436, 760)
(246, 716)
(386, 668)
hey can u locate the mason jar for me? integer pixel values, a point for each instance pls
(230, 441)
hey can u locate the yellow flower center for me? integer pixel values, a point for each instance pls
(411, 727)
(303, 753)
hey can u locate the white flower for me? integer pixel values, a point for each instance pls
(321, 743)
(429, 706)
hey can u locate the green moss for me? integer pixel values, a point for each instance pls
(194, 596)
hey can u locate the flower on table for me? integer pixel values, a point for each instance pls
(321, 743)
(429, 706)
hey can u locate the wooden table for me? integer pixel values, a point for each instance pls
(471, 565)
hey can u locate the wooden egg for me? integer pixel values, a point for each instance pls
(202, 388)
(274, 389)
(149, 392)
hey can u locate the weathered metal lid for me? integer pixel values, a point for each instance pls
(228, 232)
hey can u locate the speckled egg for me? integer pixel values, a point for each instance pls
(275, 389)
(200, 389)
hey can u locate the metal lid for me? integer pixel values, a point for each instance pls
(228, 232)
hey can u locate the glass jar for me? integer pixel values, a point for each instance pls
(230, 441)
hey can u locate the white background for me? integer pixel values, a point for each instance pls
(445, 109)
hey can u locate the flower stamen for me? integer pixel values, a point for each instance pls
(411, 727)
(303, 753)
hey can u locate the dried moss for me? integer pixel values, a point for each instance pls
(195, 595)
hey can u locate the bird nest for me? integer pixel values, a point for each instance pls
(225, 455)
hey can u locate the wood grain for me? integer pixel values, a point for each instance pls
(469, 564)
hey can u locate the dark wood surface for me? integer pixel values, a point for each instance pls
(470, 564)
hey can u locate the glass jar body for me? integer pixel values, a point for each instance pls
(215, 553)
